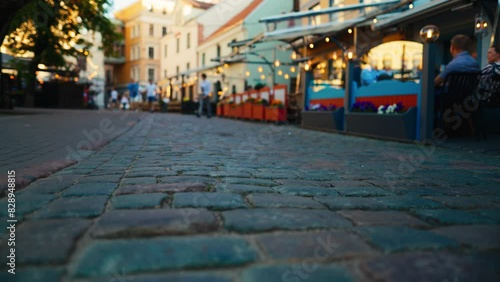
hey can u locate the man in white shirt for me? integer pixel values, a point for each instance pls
(204, 97)
(151, 94)
(114, 98)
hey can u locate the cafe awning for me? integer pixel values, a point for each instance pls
(422, 8)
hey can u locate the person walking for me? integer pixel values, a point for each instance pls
(114, 98)
(133, 88)
(151, 94)
(204, 97)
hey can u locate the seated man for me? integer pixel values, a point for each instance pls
(489, 81)
(462, 60)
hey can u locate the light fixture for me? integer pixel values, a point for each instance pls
(311, 46)
(375, 20)
(286, 76)
(429, 33)
(410, 6)
(481, 25)
(280, 72)
(327, 39)
(277, 63)
(334, 55)
(247, 73)
(260, 69)
(292, 69)
(350, 55)
(262, 76)
(294, 55)
(349, 30)
(307, 66)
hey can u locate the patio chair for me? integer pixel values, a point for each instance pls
(458, 90)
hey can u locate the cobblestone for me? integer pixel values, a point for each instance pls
(280, 204)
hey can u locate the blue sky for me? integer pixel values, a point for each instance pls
(120, 4)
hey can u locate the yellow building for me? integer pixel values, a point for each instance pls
(145, 22)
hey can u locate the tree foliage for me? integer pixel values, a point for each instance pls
(51, 29)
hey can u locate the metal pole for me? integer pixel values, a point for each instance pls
(348, 85)
(425, 116)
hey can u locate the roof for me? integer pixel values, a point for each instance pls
(199, 4)
(236, 20)
(420, 10)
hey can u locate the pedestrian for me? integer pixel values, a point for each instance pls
(151, 91)
(133, 89)
(114, 98)
(204, 97)
(125, 102)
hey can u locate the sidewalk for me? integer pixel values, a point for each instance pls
(177, 198)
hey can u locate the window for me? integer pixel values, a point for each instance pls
(177, 47)
(177, 70)
(165, 73)
(218, 51)
(151, 74)
(151, 52)
(165, 50)
(151, 30)
(188, 66)
(137, 30)
(203, 59)
(164, 31)
(188, 40)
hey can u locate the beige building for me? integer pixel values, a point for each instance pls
(145, 23)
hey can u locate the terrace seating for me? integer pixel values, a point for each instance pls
(455, 102)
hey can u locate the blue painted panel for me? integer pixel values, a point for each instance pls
(387, 88)
(325, 91)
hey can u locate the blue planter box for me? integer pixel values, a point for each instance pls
(393, 126)
(324, 120)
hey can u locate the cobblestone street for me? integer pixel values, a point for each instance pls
(168, 197)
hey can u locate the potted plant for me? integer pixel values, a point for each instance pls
(392, 121)
(275, 112)
(258, 112)
(317, 116)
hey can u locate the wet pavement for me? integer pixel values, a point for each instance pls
(168, 197)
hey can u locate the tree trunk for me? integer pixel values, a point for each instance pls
(29, 98)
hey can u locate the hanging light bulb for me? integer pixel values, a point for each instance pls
(327, 39)
(280, 72)
(260, 69)
(294, 55)
(286, 76)
(247, 73)
(311, 46)
(277, 63)
(292, 69)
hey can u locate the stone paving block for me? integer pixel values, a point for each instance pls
(107, 257)
(416, 191)
(243, 189)
(362, 191)
(476, 236)
(367, 218)
(90, 189)
(493, 214)
(171, 277)
(472, 202)
(100, 178)
(321, 177)
(452, 217)
(46, 241)
(250, 181)
(213, 201)
(342, 203)
(306, 191)
(275, 175)
(307, 271)
(303, 183)
(138, 201)
(73, 207)
(126, 223)
(431, 266)
(51, 185)
(257, 220)
(188, 179)
(399, 238)
(26, 203)
(150, 173)
(407, 202)
(321, 246)
(161, 188)
(230, 173)
(33, 274)
(283, 201)
(138, 180)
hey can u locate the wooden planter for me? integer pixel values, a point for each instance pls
(225, 109)
(393, 126)
(220, 110)
(258, 112)
(275, 114)
(247, 110)
(324, 120)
